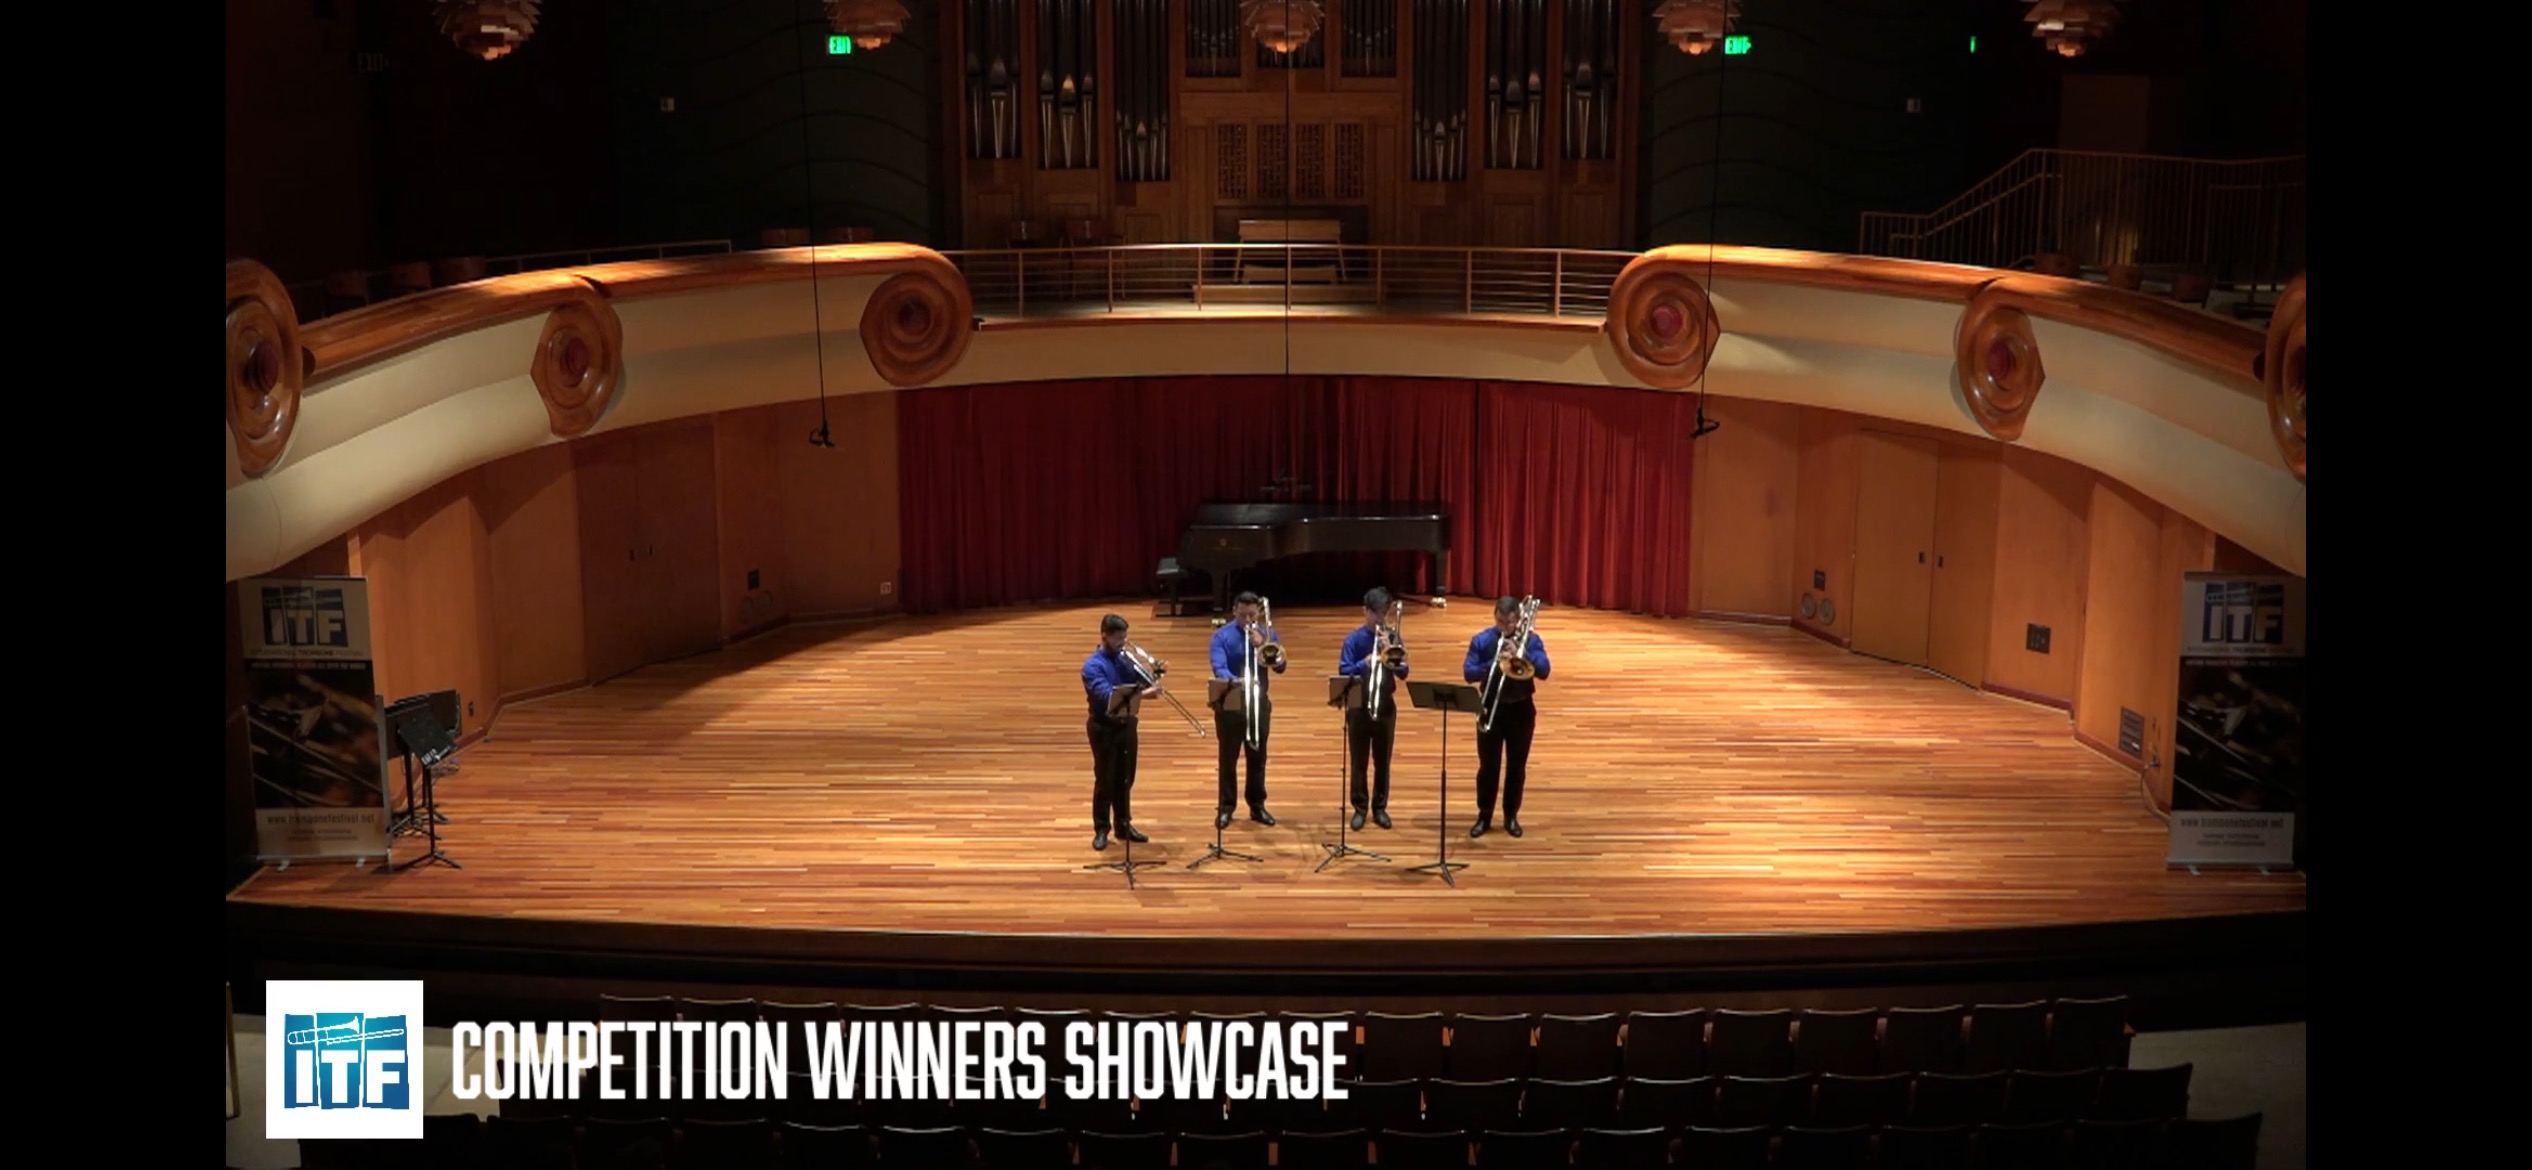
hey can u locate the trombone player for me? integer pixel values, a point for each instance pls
(1376, 652)
(1113, 739)
(1246, 651)
(1508, 661)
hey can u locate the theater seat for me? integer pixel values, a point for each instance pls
(1665, 1045)
(2227, 1144)
(1524, 1149)
(1577, 1048)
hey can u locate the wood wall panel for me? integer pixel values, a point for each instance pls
(839, 517)
(650, 549)
(2123, 586)
(1964, 560)
(1897, 476)
(331, 559)
(679, 516)
(2185, 547)
(1741, 536)
(612, 597)
(2041, 556)
(2229, 557)
(531, 508)
(748, 494)
(1824, 521)
(236, 753)
(429, 564)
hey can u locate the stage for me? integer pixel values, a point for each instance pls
(905, 802)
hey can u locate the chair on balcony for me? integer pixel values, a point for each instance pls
(407, 279)
(345, 291)
(458, 270)
(1084, 234)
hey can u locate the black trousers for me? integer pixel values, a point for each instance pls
(1369, 740)
(1113, 746)
(1231, 728)
(1514, 724)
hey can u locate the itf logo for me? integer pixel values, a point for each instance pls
(302, 615)
(2243, 613)
(343, 1059)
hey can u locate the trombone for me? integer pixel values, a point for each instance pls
(1389, 653)
(1151, 669)
(1513, 665)
(1260, 652)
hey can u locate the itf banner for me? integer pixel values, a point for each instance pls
(313, 720)
(2238, 766)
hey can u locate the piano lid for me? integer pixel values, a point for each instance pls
(1278, 514)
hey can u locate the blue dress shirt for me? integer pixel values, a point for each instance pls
(1356, 659)
(1102, 673)
(1230, 653)
(1481, 661)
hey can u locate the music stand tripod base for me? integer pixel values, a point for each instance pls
(428, 813)
(1447, 697)
(1217, 852)
(1224, 696)
(1126, 866)
(1345, 693)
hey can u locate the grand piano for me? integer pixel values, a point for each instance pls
(1225, 539)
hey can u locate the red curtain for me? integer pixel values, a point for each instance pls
(1039, 491)
(1583, 496)
(1391, 441)
(1046, 490)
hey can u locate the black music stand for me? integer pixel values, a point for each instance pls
(426, 742)
(1345, 693)
(1223, 694)
(1125, 701)
(1446, 697)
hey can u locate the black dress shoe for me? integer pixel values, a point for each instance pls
(1099, 840)
(1261, 816)
(1479, 829)
(1380, 817)
(1131, 833)
(1358, 821)
(1512, 825)
(1222, 820)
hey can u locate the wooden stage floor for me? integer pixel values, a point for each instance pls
(931, 776)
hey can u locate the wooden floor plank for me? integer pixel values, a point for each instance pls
(932, 774)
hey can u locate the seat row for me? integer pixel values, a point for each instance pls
(2060, 1035)
(1828, 1100)
(565, 1143)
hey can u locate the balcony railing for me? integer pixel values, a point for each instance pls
(1034, 283)
(2238, 224)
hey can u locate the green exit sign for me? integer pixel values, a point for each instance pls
(1973, 44)
(1736, 46)
(839, 46)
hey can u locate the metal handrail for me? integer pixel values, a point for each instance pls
(2236, 222)
(2226, 221)
(1075, 281)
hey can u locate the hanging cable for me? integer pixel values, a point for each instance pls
(823, 436)
(1292, 151)
(1714, 218)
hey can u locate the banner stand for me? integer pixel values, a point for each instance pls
(316, 725)
(2238, 771)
